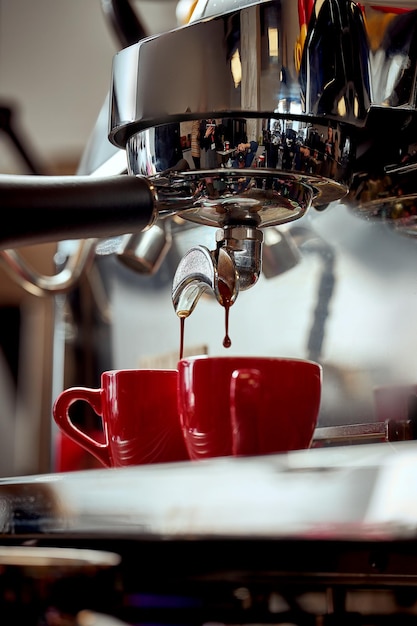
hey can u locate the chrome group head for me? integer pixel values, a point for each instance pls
(326, 91)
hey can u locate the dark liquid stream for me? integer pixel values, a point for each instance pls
(182, 326)
(226, 295)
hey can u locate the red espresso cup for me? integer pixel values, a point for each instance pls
(139, 414)
(247, 405)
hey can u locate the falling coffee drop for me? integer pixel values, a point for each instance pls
(226, 295)
(227, 342)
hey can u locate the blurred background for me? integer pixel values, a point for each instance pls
(55, 65)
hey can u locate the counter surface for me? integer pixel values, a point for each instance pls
(361, 492)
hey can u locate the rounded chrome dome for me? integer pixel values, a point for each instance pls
(334, 83)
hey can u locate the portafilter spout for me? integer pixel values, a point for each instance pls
(270, 198)
(234, 265)
(203, 270)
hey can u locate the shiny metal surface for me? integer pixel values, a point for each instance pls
(388, 194)
(311, 100)
(238, 69)
(214, 197)
(201, 270)
(353, 58)
(344, 66)
(240, 65)
(366, 493)
(384, 185)
(144, 252)
(235, 78)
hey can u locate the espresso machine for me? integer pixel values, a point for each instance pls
(314, 257)
(305, 243)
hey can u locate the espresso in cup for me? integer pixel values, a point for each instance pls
(139, 414)
(247, 405)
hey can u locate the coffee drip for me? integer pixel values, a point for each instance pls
(182, 328)
(226, 295)
(226, 302)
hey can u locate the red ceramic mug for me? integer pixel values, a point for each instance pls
(247, 405)
(139, 414)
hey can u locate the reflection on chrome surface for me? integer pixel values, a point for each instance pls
(335, 96)
(218, 198)
(263, 182)
(388, 194)
(246, 184)
(254, 115)
(240, 64)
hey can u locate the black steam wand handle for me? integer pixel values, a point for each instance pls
(40, 209)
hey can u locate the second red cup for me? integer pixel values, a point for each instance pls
(247, 405)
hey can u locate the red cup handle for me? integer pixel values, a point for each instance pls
(60, 412)
(245, 395)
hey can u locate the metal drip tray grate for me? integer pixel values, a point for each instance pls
(370, 432)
